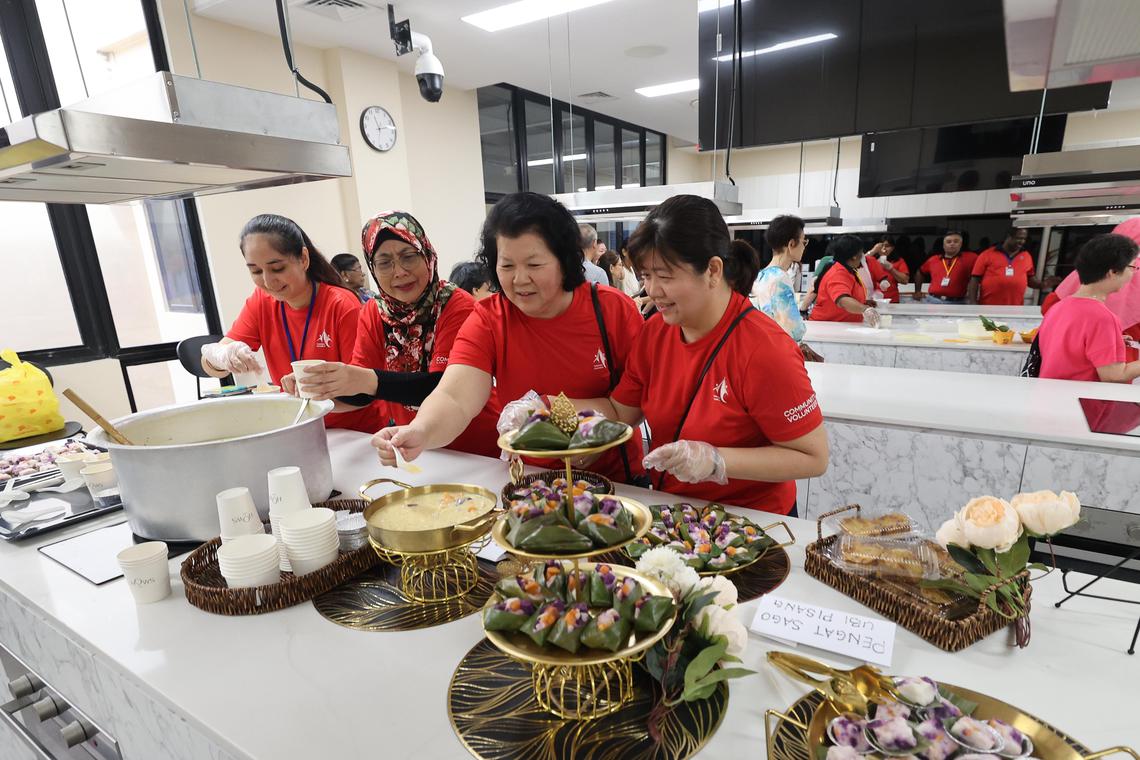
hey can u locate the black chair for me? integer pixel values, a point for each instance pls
(190, 354)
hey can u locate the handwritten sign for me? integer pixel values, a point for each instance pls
(863, 638)
(492, 552)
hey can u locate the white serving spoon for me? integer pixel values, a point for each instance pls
(18, 518)
(404, 464)
(62, 486)
(10, 494)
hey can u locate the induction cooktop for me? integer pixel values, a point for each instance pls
(1112, 417)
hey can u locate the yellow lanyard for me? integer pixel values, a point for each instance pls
(951, 267)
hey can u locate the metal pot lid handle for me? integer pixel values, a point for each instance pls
(366, 487)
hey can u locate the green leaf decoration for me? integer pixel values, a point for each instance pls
(966, 558)
(704, 662)
(1018, 556)
(963, 704)
(1039, 566)
(987, 558)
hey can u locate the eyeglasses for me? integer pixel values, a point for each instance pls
(408, 262)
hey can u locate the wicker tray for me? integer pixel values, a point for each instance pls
(549, 475)
(206, 588)
(950, 626)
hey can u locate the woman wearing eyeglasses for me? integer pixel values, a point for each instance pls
(773, 292)
(405, 334)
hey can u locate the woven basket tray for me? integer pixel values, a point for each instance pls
(549, 475)
(206, 588)
(946, 626)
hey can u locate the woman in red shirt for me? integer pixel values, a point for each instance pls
(841, 295)
(406, 333)
(888, 269)
(547, 331)
(723, 387)
(299, 310)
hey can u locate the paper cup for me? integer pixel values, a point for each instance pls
(70, 465)
(102, 482)
(237, 515)
(146, 568)
(287, 491)
(299, 369)
(97, 457)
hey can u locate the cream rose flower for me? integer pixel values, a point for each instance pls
(1045, 513)
(951, 533)
(988, 522)
(666, 565)
(722, 622)
(726, 594)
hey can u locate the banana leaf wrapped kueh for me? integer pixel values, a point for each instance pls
(522, 587)
(538, 433)
(602, 582)
(649, 612)
(554, 539)
(567, 632)
(548, 522)
(560, 428)
(541, 623)
(577, 586)
(508, 615)
(626, 594)
(608, 631)
(596, 431)
(709, 539)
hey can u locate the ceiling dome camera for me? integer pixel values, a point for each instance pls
(429, 75)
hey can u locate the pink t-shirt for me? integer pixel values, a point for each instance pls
(1078, 336)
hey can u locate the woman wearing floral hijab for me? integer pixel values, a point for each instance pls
(405, 334)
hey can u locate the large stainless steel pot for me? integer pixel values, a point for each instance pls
(191, 452)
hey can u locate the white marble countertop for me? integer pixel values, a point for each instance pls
(904, 333)
(1039, 411)
(929, 309)
(291, 685)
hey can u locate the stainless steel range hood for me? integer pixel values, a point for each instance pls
(169, 136)
(631, 204)
(760, 218)
(1078, 187)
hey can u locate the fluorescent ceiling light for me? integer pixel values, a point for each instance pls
(524, 12)
(549, 161)
(782, 46)
(672, 88)
(712, 5)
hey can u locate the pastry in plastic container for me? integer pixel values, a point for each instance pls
(910, 558)
(867, 523)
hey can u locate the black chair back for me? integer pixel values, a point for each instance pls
(190, 355)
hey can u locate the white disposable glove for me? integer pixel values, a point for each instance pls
(515, 413)
(231, 357)
(689, 462)
(871, 316)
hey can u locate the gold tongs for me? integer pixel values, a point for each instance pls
(849, 690)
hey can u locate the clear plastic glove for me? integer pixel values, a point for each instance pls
(871, 316)
(235, 356)
(689, 462)
(515, 413)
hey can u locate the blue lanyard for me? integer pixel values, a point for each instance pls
(294, 354)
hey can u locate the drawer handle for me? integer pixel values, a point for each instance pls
(6, 714)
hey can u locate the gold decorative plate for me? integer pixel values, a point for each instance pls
(492, 708)
(506, 438)
(373, 601)
(642, 520)
(522, 648)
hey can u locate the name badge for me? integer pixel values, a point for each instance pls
(1009, 271)
(945, 282)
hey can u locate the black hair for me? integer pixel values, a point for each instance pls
(607, 260)
(689, 229)
(948, 233)
(844, 248)
(782, 231)
(469, 275)
(289, 239)
(1103, 255)
(519, 213)
(343, 262)
(1012, 232)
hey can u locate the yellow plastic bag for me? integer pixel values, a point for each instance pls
(28, 405)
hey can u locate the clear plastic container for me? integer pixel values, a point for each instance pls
(871, 523)
(911, 558)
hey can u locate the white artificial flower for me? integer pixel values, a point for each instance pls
(951, 533)
(663, 564)
(722, 622)
(1045, 513)
(988, 522)
(726, 594)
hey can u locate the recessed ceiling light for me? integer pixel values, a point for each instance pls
(549, 161)
(670, 88)
(782, 46)
(712, 5)
(524, 12)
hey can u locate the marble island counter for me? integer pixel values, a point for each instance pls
(170, 681)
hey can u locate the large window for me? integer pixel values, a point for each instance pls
(114, 281)
(586, 151)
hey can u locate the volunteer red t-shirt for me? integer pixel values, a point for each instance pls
(955, 273)
(563, 354)
(371, 351)
(1077, 336)
(884, 280)
(837, 281)
(1004, 279)
(756, 392)
(331, 337)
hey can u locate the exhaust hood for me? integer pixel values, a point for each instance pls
(1078, 187)
(633, 203)
(813, 216)
(169, 136)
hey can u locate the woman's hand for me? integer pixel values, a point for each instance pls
(689, 462)
(809, 354)
(871, 317)
(289, 384)
(332, 379)
(231, 357)
(406, 438)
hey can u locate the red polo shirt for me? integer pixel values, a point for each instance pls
(838, 281)
(884, 280)
(1004, 278)
(955, 272)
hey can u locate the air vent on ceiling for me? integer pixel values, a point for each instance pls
(596, 96)
(338, 10)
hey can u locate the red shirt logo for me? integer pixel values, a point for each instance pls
(801, 410)
(600, 359)
(324, 340)
(720, 391)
